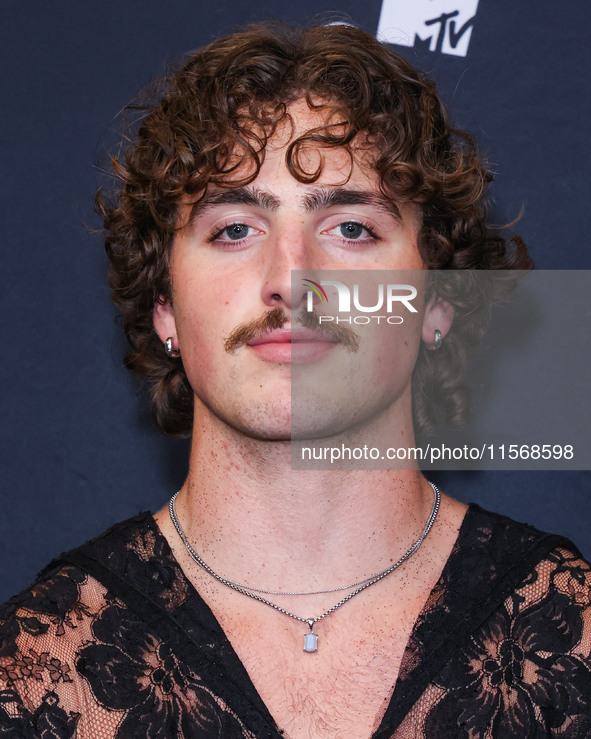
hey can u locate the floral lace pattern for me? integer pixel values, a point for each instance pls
(520, 672)
(113, 641)
(128, 669)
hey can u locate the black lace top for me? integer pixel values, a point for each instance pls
(113, 641)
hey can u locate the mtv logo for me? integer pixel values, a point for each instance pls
(445, 24)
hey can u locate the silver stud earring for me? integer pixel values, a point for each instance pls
(437, 339)
(173, 353)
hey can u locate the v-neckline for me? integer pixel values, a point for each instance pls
(235, 667)
(491, 559)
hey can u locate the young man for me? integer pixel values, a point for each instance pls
(264, 601)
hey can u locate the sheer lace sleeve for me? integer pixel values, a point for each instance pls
(41, 633)
(525, 671)
(78, 659)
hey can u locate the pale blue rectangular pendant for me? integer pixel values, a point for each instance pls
(310, 642)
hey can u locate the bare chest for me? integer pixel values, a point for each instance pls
(342, 689)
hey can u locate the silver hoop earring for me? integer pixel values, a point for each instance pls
(437, 339)
(168, 348)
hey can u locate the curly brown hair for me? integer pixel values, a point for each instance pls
(211, 124)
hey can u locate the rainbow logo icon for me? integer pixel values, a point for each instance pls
(318, 289)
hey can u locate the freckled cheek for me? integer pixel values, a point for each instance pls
(200, 335)
(393, 353)
(204, 324)
(198, 349)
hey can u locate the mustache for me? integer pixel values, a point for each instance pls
(277, 318)
(342, 334)
(274, 318)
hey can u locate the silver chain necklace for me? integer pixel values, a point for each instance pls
(310, 639)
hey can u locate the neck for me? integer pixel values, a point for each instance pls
(255, 519)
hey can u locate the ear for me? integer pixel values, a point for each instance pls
(164, 322)
(439, 316)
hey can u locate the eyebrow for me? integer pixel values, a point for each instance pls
(318, 199)
(324, 197)
(253, 196)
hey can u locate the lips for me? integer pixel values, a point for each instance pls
(295, 346)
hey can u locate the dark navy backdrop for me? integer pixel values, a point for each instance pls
(78, 451)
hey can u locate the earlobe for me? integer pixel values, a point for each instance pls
(438, 320)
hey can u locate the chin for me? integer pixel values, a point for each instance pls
(265, 433)
(266, 422)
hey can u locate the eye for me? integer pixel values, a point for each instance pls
(354, 231)
(233, 233)
(351, 230)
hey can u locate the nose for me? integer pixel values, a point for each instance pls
(287, 262)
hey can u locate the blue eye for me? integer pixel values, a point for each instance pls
(236, 231)
(351, 230)
(233, 235)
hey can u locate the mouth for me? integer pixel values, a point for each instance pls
(292, 345)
